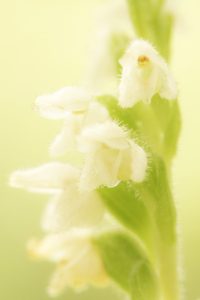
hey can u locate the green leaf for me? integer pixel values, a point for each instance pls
(163, 28)
(156, 190)
(168, 115)
(118, 43)
(125, 203)
(145, 206)
(128, 265)
(137, 118)
(142, 17)
(152, 22)
(172, 132)
(156, 125)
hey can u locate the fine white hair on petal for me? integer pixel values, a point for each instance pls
(139, 163)
(72, 209)
(65, 100)
(47, 178)
(144, 74)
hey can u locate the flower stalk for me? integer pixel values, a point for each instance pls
(113, 217)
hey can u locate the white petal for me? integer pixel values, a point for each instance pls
(79, 263)
(60, 246)
(144, 73)
(169, 88)
(109, 157)
(96, 113)
(85, 269)
(47, 178)
(73, 209)
(60, 103)
(108, 134)
(101, 168)
(139, 163)
(66, 139)
(74, 124)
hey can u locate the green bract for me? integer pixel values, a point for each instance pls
(128, 264)
(156, 125)
(153, 22)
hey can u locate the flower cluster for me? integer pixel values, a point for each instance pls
(110, 156)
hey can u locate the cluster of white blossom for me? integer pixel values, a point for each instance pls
(110, 156)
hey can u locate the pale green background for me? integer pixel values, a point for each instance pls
(43, 46)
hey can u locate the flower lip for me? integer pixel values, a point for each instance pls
(143, 60)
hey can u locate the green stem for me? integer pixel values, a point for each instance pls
(169, 272)
(157, 193)
(167, 246)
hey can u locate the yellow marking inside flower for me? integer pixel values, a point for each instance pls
(143, 60)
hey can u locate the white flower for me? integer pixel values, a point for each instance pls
(78, 262)
(66, 140)
(78, 109)
(59, 104)
(69, 207)
(48, 178)
(144, 74)
(110, 156)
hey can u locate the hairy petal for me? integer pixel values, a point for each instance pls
(144, 74)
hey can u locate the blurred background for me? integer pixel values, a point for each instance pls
(44, 46)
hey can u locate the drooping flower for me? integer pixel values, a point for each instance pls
(110, 156)
(78, 262)
(78, 108)
(144, 74)
(69, 207)
(66, 140)
(60, 103)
